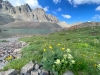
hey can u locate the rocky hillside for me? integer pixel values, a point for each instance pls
(4, 19)
(31, 25)
(64, 24)
(86, 24)
(25, 13)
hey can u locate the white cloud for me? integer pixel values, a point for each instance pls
(59, 9)
(32, 3)
(54, 12)
(66, 16)
(89, 21)
(56, 1)
(98, 8)
(96, 17)
(46, 8)
(79, 2)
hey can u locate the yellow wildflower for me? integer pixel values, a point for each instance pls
(50, 47)
(9, 57)
(62, 48)
(58, 44)
(44, 50)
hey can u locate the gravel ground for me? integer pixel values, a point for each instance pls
(9, 48)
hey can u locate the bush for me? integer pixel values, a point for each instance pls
(57, 59)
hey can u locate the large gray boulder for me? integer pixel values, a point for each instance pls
(9, 72)
(27, 68)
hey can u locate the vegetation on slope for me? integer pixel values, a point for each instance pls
(84, 44)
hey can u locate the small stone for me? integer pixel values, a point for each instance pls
(44, 72)
(39, 71)
(36, 67)
(34, 72)
(17, 50)
(68, 73)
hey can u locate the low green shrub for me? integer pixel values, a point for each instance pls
(57, 59)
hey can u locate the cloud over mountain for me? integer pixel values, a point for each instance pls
(32, 3)
(66, 16)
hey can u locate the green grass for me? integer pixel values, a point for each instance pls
(84, 44)
(4, 41)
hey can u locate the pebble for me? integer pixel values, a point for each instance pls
(13, 47)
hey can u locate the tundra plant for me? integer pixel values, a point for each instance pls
(57, 59)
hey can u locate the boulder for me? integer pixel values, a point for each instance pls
(36, 67)
(27, 68)
(9, 72)
(17, 50)
(68, 73)
(34, 73)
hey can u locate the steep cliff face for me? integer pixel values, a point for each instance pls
(4, 19)
(51, 18)
(40, 15)
(25, 13)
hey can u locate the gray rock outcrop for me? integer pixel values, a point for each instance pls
(10, 48)
(9, 72)
(27, 68)
(25, 13)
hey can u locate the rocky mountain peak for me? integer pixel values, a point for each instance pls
(5, 5)
(39, 11)
(25, 13)
(26, 8)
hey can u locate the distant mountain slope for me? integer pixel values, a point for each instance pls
(64, 24)
(31, 25)
(4, 19)
(25, 13)
(86, 24)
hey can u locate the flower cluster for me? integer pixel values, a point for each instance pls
(57, 58)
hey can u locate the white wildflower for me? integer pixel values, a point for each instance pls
(70, 56)
(68, 50)
(72, 61)
(57, 61)
(65, 56)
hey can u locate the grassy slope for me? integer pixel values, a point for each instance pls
(84, 44)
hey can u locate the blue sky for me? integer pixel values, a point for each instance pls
(70, 11)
